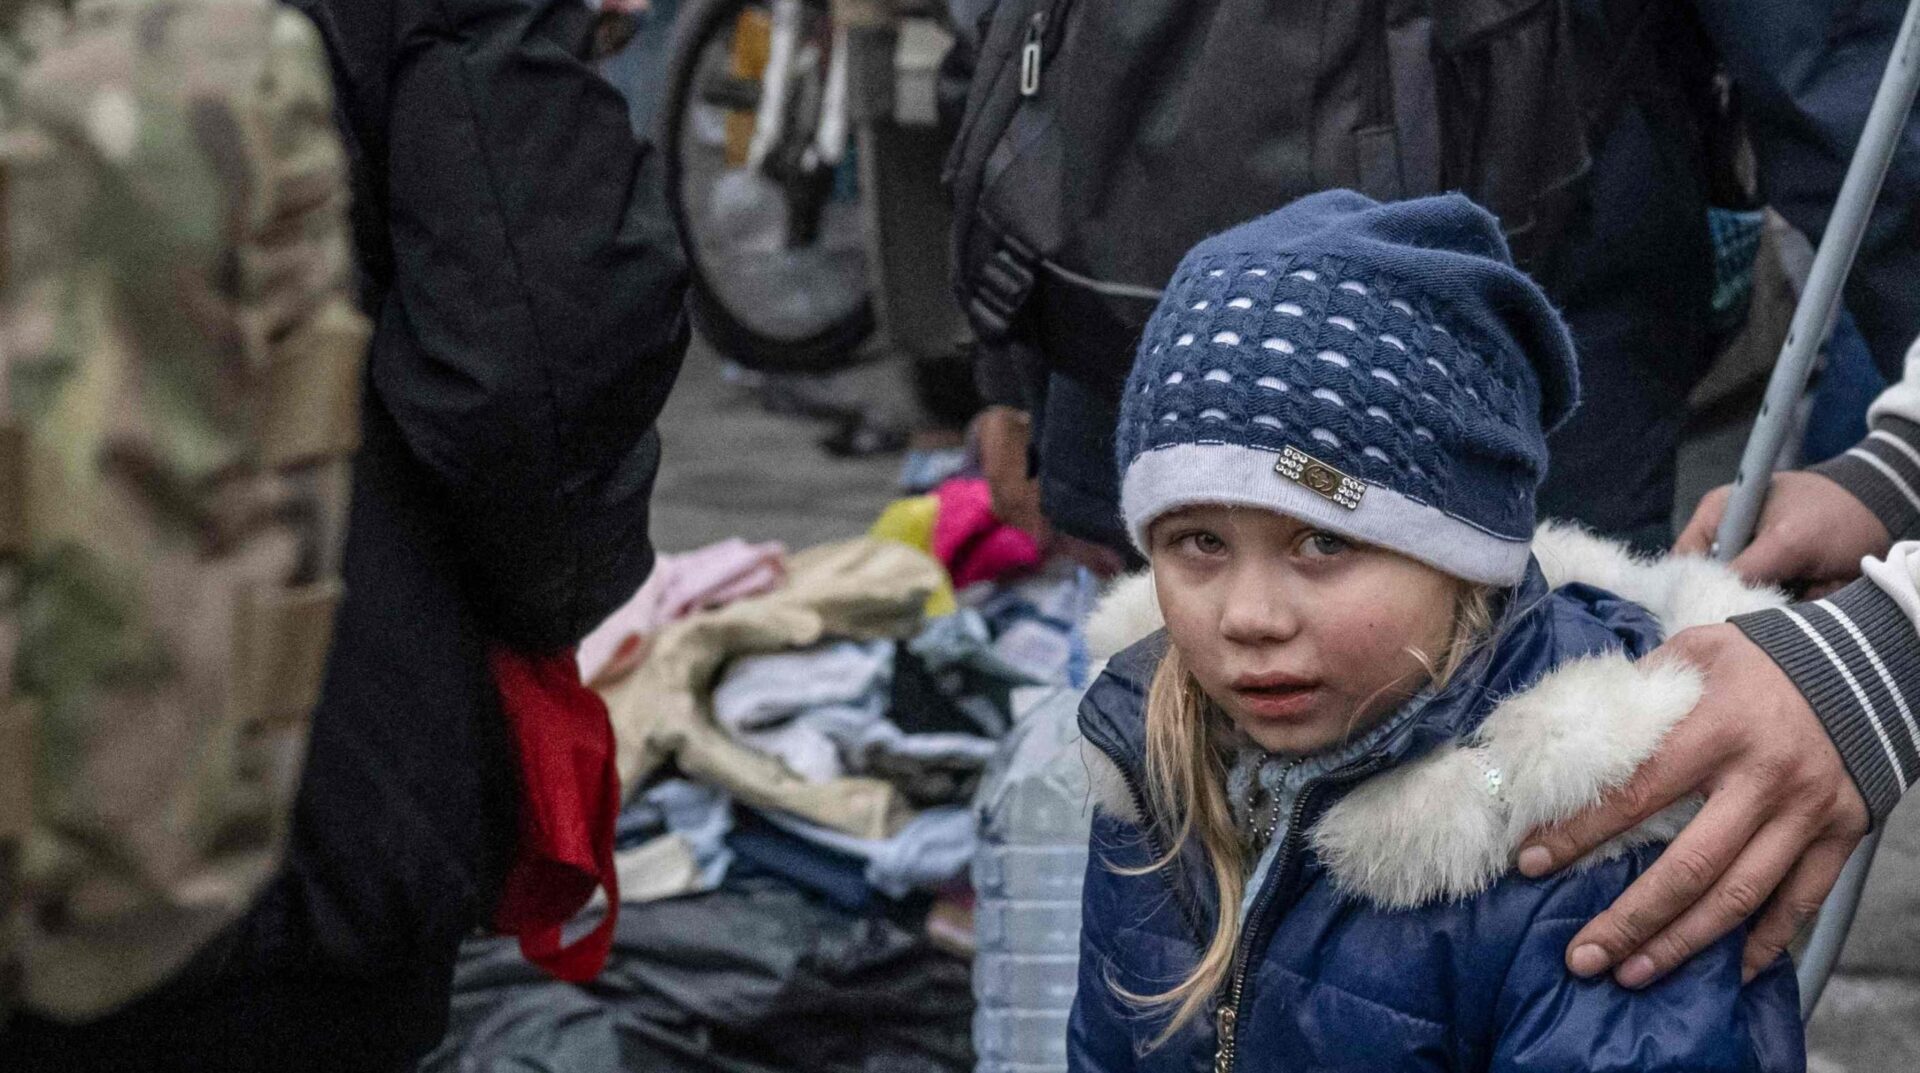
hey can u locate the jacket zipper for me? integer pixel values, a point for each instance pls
(1227, 1017)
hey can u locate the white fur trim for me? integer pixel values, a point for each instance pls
(1445, 826)
(1680, 591)
(1107, 786)
(1127, 612)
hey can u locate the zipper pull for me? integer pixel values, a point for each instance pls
(1030, 55)
(1223, 1021)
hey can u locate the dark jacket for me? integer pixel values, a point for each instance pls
(1387, 934)
(1636, 274)
(526, 282)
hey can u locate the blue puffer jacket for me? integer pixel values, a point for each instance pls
(1388, 933)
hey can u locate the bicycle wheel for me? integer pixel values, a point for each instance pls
(779, 265)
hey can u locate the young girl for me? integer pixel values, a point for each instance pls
(1373, 679)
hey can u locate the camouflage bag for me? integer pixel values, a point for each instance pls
(179, 375)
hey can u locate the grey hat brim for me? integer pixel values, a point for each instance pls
(1191, 474)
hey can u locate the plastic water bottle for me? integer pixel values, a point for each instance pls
(1033, 856)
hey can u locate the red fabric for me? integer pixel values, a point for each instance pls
(570, 797)
(972, 543)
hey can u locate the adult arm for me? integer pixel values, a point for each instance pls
(1807, 728)
(1780, 817)
(1883, 471)
(534, 322)
(1854, 656)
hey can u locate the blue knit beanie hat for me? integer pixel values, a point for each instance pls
(1381, 371)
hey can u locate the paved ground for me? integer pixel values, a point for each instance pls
(1869, 1018)
(733, 469)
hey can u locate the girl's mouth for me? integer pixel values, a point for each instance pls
(1276, 696)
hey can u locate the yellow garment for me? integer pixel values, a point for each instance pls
(858, 590)
(910, 521)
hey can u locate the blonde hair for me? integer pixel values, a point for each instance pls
(1187, 755)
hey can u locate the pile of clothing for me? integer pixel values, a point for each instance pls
(756, 977)
(799, 740)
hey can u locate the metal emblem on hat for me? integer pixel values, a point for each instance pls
(1316, 476)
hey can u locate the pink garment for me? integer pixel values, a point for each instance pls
(713, 576)
(975, 545)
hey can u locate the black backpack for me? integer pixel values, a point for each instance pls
(1102, 138)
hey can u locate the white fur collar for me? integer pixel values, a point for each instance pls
(1446, 825)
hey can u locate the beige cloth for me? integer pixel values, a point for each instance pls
(664, 867)
(858, 590)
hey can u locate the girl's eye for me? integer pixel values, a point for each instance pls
(1326, 544)
(1205, 543)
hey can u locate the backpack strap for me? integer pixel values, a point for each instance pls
(1000, 288)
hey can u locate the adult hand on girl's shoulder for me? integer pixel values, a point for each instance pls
(1780, 818)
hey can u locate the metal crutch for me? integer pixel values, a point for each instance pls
(1812, 319)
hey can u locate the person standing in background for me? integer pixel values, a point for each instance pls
(180, 366)
(525, 283)
(1592, 127)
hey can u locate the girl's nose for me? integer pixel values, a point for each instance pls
(1257, 613)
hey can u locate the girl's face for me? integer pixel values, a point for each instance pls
(1302, 637)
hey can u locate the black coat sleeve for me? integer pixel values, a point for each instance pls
(532, 323)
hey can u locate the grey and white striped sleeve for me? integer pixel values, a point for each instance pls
(1855, 656)
(1883, 472)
